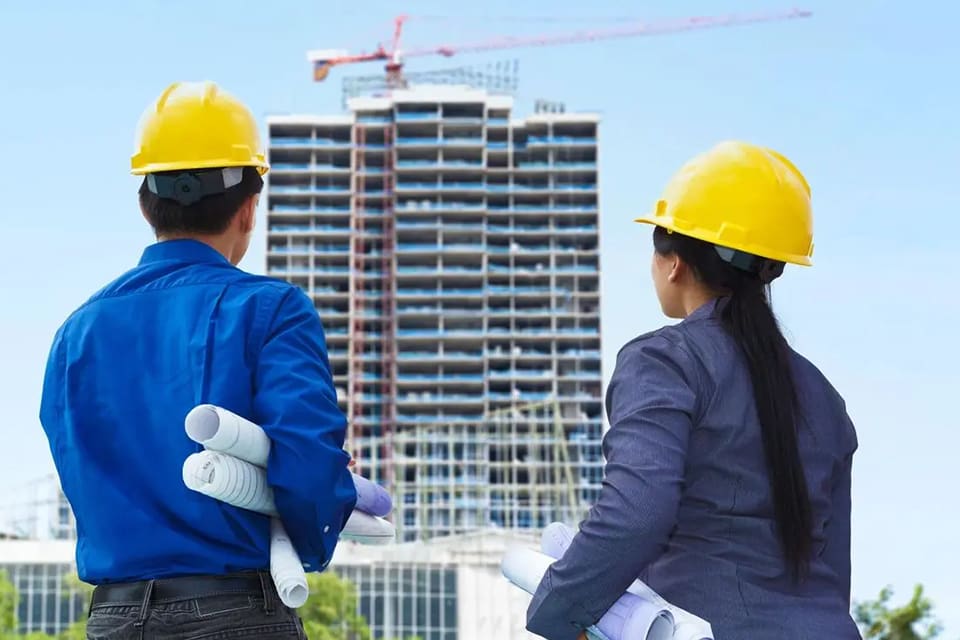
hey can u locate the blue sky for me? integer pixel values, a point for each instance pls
(862, 97)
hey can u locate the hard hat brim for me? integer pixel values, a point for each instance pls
(667, 223)
(157, 167)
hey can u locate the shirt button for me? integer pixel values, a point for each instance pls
(326, 529)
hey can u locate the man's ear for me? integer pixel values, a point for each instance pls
(247, 215)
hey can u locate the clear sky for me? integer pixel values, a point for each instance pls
(863, 97)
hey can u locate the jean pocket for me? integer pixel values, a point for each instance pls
(269, 631)
(115, 610)
(223, 605)
(112, 625)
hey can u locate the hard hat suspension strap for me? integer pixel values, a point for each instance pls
(765, 269)
(188, 187)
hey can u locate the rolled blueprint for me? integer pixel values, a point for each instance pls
(555, 541)
(525, 568)
(229, 480)
(629, 618)
(285, 567)
(219, 429)
(371, 497)
(244, 485)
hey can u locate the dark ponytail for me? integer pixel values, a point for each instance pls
(748, 318)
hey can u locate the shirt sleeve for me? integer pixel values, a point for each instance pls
(296, 404)
(52, 396)
(836, 554)
(650, 403)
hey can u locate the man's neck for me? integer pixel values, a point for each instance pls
(220, 243)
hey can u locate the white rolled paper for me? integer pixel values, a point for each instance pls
(555, 541)
(633, 618)
(219, 429)
(285, 567)
(229, 480)
(525, 568)
(366, 529)
(630, 617)
(244, 485)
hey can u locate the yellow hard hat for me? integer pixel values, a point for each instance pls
(743, 197)
(197, 125)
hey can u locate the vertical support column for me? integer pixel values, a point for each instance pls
(387, 330)
(358, 265)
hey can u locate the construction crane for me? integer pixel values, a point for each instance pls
(324, 60)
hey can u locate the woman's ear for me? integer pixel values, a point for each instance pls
(678, 268)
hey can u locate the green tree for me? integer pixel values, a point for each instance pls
(8, 606)
(77, 630)
(9, 601)
(912, 621)
(330, 613)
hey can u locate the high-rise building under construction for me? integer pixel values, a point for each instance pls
(452, 251)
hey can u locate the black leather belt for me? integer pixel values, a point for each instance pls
(185, 588)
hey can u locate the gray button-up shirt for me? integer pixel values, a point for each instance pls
(686, 502)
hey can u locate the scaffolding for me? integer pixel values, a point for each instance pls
(497, 78)
(357, 382)
(388, 345)
(512, 469)
(36, 510)
(372, 363)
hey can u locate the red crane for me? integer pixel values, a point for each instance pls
(323, 60)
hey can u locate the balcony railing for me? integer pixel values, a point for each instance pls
(306, 208)
(440, 186)
(418, 115)
(569, 140)
(284, 141)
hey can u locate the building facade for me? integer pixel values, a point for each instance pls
(449, 589)
(43, 573)
(452, 251)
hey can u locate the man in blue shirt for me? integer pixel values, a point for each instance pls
(186, 327)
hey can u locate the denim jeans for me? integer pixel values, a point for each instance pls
(254, 615)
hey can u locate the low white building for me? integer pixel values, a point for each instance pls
(44, 575)
(445, 589)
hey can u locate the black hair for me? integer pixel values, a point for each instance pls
(747, 317)
(209, 215)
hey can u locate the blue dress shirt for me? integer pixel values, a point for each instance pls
(686, 503)
(182, 328)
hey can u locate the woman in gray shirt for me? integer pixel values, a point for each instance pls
(727, 481)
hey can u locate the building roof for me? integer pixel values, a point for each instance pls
(37, 551)
(484, 547)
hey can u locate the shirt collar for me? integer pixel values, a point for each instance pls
(707, 309)
(182, 250)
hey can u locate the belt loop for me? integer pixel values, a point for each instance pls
(144, 607)
(267, 592)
